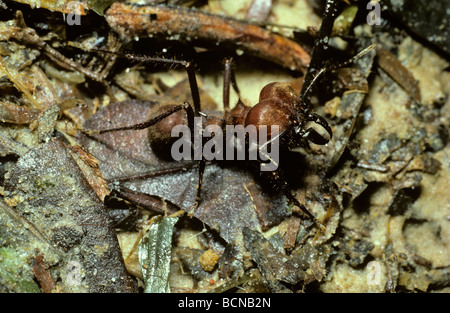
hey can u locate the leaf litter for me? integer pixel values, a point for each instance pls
(378, 187)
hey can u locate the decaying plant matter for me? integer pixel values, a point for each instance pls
(82, 212)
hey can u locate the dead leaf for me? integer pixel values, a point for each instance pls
(56, 198)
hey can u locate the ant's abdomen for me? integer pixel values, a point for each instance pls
(159, 134)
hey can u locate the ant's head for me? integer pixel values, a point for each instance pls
(279, 104)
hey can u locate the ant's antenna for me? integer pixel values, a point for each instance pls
(325, 69)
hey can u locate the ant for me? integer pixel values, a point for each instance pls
(278, 105)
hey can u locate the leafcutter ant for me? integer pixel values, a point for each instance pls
(279, 105)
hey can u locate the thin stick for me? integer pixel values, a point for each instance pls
(131, 21)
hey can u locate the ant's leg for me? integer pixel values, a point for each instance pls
(279, 179)
(186, 106)
(195, 93)
(201, 171)
(314, 77)
(197, 107)
(189, 66)
(190, 69)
